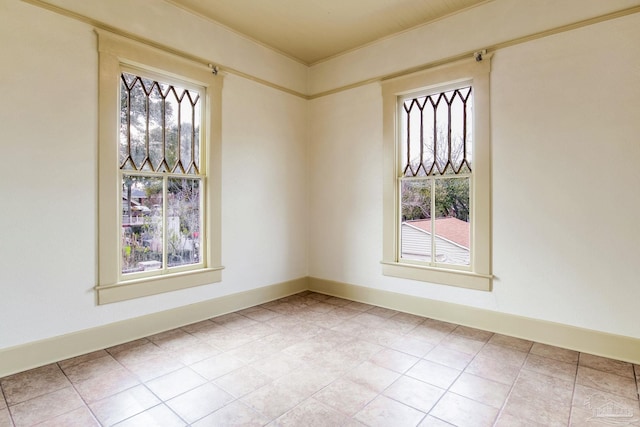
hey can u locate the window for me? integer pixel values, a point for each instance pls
(437, 175)
(159, 179)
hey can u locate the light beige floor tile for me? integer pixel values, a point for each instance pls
(229, 339)
(359, 306)
(581, 416)
(413, 346)
(359, 349)
(503, 354)
(158, 416)
(473, 333)
(3, 402)
(273, 400)
(123, 405)
(173, 339)
(345, 396)
(333, 360)
(384, 412)
(508, 420)
(407, 318)
(234, 414)
(242, 381)
(278, 365)
(531, 384)
(551, 367)
(415, 393)
(604, 364)
(430, 421)
(379, 336)
(254, 350)
(305, 382)
(234, 321)
(395, 360)
(594, 400)
(338, 302)
(321, 307)
(557, 353)
(511, 342)
(345, 313)
(5, 418)
(370, 375)
(127, 346)
(175, 383)
(462, 344)
(82, 358)
(91, 368)
(622, 386)
(258, 314)
(311, 413)
(462, 412)
(106, 384)
(199, 402)
(433, 373)
(449, 357)
(137, 354)
(194, 353)
(201, 327)
(33, 383)
(217, 366)
(45, 407)
(538, 409)
(493, 369)
(482, 390)
(81, 417)
(154, 367)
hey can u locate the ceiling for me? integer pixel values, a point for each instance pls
(313, 30)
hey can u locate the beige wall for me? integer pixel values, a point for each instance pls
(565, 152)
(48, 184)
(302, 179)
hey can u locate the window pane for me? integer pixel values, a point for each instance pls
(141, 223)
(452, 221)
(415, 234)
(183, 221)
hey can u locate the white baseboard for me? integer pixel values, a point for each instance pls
(39, 353)
(584, 340)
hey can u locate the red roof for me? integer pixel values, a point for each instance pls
(452, 229)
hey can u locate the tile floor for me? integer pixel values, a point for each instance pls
(315, 360)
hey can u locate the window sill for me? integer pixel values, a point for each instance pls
(155, 285)
(459, 278)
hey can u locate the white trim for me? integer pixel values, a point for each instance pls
(566, 336)
(39, 353)
(50, 350)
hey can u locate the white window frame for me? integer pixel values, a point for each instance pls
(117, 54)
(469, 71)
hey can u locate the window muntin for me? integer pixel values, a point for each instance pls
(435, 151)
(160, 174)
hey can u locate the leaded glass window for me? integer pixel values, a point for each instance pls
(161, 176)
(435, 152)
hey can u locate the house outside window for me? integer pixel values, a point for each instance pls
(159, 179)
(437, 196)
